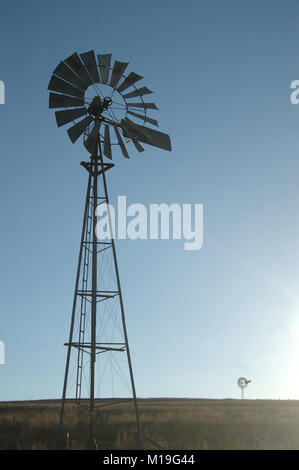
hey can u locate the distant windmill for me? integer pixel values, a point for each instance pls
(242, 383)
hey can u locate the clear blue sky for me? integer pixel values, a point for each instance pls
(221, 73)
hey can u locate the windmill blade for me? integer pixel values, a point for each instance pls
(142, 105)
(89, 61)
(145, 134)
(64, 72)
(63, 117)
(120, 142)
(139, 92)
(137, 145)
(91, 143)
(144, 118)
(57, 84)
(104, 65)
(135, 142)
(129, 81)
(107, 143)
(76, 130)
(118, 70)
(74, 62)
(64, 101)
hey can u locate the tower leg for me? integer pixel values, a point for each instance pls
(93, 296)
(123, 316)
(75, 302)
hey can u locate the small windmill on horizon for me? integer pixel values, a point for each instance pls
(242, 383)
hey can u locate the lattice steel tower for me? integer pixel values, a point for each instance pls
(98, 353)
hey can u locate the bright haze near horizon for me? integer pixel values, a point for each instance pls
(197, 320)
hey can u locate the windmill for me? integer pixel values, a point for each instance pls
(102, 104)
(242, 383)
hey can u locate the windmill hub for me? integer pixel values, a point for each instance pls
(107, 102)
(97, 106)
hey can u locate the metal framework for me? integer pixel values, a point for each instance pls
(89, 292)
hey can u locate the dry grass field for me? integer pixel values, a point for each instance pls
(173, 423)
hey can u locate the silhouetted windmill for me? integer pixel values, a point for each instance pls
(101, 101)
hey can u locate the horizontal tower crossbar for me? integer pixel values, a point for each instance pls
(97, 346)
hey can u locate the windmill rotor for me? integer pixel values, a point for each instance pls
(105, 105)
(243, 382)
